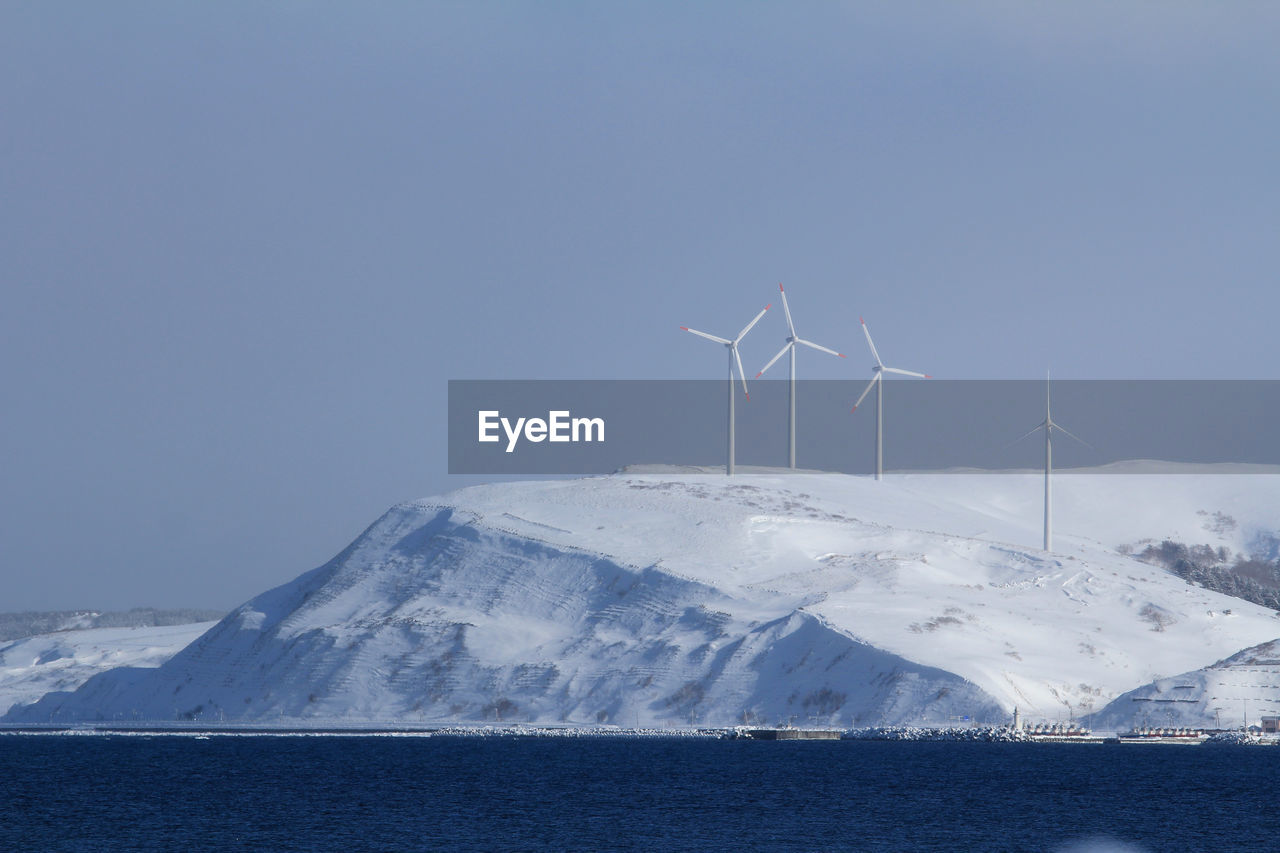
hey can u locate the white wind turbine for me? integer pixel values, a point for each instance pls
(790, 345)
(1049, 426)
(734, 358)
(877, 381)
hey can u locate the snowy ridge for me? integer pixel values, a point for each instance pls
(651, 599)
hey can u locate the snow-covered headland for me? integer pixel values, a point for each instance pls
(30, 667)
(653, 600)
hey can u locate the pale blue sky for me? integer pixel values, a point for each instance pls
(243, 246)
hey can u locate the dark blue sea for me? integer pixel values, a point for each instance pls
(102, 793)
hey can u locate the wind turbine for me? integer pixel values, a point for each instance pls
(790, 345)
(1049, 426)
(877, 380)
(734, 358)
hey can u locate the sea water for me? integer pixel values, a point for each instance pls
(97, 793)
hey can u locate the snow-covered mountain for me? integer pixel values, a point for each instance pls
(649, 598)
(33, 666)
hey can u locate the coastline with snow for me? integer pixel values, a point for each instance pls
(658, 600)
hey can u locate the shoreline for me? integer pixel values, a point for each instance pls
(912, 734)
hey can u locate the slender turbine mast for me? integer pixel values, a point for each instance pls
(734, 358)
(1049, 426)
(877, 380)
(790, 346)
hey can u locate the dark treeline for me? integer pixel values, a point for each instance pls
(1251, 578)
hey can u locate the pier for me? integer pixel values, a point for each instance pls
(792, 734)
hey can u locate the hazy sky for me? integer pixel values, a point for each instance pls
(243, 246)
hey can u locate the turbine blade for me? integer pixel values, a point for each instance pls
(787, 309)
(747, 328)
(1061, 428)
(905, 372)
(705, 335)
(1025, 435)
(866, 391)
(741, 375)
(785, 347)
(819, 347)
(870, 343)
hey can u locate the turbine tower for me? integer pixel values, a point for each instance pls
(1049, 426)
(877, 380)
(734, 358)
(790, 345)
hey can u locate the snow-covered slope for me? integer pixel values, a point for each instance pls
(643, 598)
(1243, 686)
(33, 666)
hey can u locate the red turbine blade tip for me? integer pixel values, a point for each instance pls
(686, 328)
(748, 396)
(779, 287)
(862, 321)
(767, 307)
(927, 376)
(854, 409)
(758, 375)
(842, 355)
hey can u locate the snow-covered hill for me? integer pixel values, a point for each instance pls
(1245, 686)
(650, 598)
(33, 666)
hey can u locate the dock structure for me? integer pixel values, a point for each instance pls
(1174, 735)
(792, 734)
(1059, 733)
(1063, 738)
